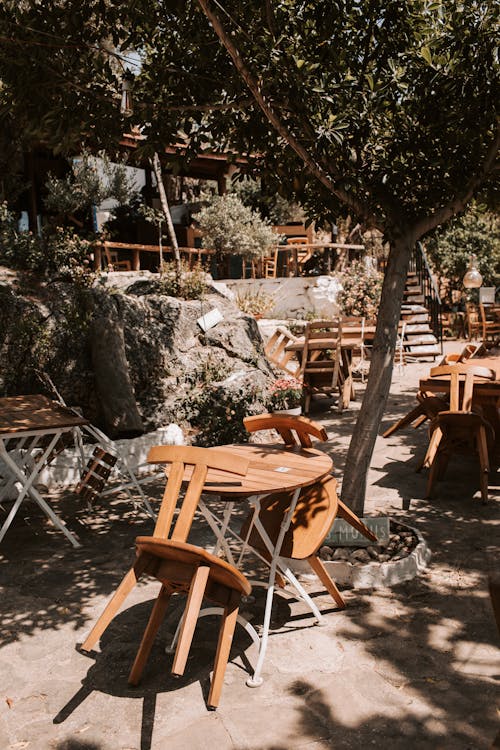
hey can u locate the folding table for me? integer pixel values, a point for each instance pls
(33, 429)
(272, 468)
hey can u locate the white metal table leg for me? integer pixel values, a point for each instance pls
(27, 482)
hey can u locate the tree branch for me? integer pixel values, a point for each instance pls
(313, 166)
(427, 223)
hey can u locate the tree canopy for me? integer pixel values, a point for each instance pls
(385, 110)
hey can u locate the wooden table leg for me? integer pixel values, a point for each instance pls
(136, 260)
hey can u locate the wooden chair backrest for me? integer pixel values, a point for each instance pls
(292, 430)
(467, 373)
(320, 363)
(270, 265)
(179, 457)
(275, 351)
(319, 330)
(311, 520)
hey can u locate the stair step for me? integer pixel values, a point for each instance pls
(423, 351)
(418, 328)
(419, 298)
(411, 281)
(425, 338)
(406, 309)
(417, 318)
(412, 291)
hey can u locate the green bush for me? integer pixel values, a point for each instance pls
(217, 413)
(477, 233)
(189, 284)
(229, 227)
(56, 251)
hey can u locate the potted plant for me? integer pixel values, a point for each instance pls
(256, 303)
(286, 396)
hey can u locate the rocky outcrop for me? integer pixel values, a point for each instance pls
(132, 357)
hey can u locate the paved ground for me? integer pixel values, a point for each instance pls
(414, 666)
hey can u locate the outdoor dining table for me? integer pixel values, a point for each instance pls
(486, 393)
(30, 429)
(352, 339)
(273, 468)
(33, 429)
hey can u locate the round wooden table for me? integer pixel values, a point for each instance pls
(272, 468)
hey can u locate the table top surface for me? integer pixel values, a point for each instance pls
(351, 337)
(272, 468)
(35, 412)
(485, 387)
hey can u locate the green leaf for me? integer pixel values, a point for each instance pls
(426, 54)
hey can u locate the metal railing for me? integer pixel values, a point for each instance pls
(432, 301)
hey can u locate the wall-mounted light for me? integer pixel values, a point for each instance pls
(472, 278)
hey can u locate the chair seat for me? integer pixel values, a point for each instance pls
(189, 554)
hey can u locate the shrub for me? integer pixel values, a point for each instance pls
(229, 227)
(477, 233)
(56, 250)
(361, 286)
(255, 303)
(189, 284)
(217, 413)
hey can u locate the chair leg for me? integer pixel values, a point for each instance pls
(190, 618)
(407, 419)
(346, 514)
(115, 602)
(307, 402)
(432, 448)
(434, 473)
(155, 620)
(482, 447)
(226, 633)
(322, 573)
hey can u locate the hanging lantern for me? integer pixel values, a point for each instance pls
(126, 106)
(472, 278)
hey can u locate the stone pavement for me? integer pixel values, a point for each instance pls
(413, 666)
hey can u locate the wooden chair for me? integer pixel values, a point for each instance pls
(292, 430)
(182, 567)
(474, 327)
(430, 405)
(459, 429)
(275, 351)
(113, 261)
(316, 508)
(300, 256)
(270, 265)
(490, 326)
(321, 365)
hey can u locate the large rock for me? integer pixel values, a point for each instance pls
(130, 356)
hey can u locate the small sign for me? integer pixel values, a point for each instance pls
(210, 319)
(487, 295)
(342, 534)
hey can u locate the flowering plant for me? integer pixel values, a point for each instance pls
(285, 393)
(361, 286)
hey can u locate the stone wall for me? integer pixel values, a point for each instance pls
(131, 357)
(295, 297)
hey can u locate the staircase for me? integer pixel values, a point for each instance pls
(421, 310)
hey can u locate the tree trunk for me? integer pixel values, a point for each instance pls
(112, 380)
(379, 379)
(155, 162)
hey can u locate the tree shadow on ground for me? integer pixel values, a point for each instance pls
(46, 582)
(119, 644)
